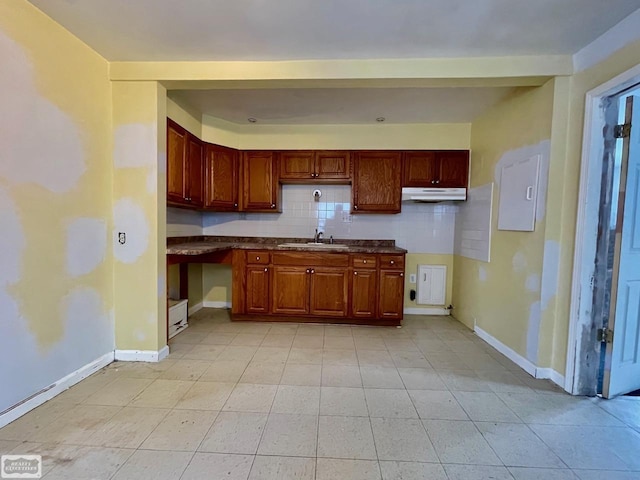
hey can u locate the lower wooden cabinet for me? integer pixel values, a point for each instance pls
(343, 287)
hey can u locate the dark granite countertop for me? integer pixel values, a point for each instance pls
(209, 244)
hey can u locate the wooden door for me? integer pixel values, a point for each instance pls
(454, 169)
(420, 169)
(195, 178)
(176, 162)
(221, 178)
(391, 297)
(377, 182)
(328, 294)
(259, 182)
(297, 165)
(363, 293)
(290, 290)
(257, 289)
(331, 165)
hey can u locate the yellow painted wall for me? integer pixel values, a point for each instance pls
(187, 117)
(56, 283)
(139, 197)
(502, 296)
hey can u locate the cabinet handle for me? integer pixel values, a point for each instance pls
(266, 269)
(308, 271)
(402, 274)
(235, 205)
(257, 258)
(437, 181)
(364, 261)
(355, 207)
(433, 182)
(273, 205)
(313, 271)
(392, 262)
(355, 273)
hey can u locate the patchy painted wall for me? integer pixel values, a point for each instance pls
(56, 283)
(503, 296)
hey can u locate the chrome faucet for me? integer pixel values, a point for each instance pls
(317, 237)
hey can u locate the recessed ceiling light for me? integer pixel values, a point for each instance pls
(380, 119)
(251, 120)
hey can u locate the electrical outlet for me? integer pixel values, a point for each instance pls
(412, 278)
(347, 217)
(122, 238)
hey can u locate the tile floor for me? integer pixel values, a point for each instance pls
(276, 401)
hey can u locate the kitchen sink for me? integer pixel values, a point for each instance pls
(323, 246)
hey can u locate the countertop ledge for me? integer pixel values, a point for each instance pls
(209, 244)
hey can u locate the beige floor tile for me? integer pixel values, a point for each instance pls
(251, 398)
(53, 454)
(29, 425)
(204, 352)
(346, 437)
(76, 426)
(142, 369)
(527, 473)
(271, 354)
(464, 381)
(410, 359)
(180, 430)
(236, 353)
(309, 375)
(381, 358)
(369, 343)
(421, 379)
(341, 376)
(90, 385)
(460, 442)
(606, 474)
(412, 471)
(485, 407)
(343, 401)
(178, 350)
(337, 469)
(189, 370)
(310, 329)
(159, 465)
(625, 409)
(281, 468)
(206, 396)
(339, 343)
(381, 377)
(389, 403)
(518, 446)
(477, 472)
(402, 439)
(235, 432)
(297, 400)
(218, 466)
(291, 435)
(128, 428)
(337, 331)
(273, 340)
(308, 341)
(305, 356)
(439, 405)
(339, 357)
(263, 373)
(162, 394)
(224, 371)
(218, 338)
(7, 445)
(283, 329)
(120, 392)
(90, 463)
(247, 339)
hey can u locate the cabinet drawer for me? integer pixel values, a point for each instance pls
(364, 261)
(311, 259)
(392, 261)
(257, 257)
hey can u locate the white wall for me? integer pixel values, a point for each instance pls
(183, 223)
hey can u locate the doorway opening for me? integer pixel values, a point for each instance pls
(604, 337)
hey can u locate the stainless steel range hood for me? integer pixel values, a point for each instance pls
(412, 194)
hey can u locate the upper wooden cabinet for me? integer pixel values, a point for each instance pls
(221, 178)
(446, 169)
(259, 182)
(377, 182)
(314, 166)
(184, 167)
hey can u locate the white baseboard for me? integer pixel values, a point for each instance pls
(56, 388)
(426, 311)
(209, 304)
(526, 365)
(195, 308)
(141, 355)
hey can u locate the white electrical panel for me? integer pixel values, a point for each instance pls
(432, 284)
(518, 195)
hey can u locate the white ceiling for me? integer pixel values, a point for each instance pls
(334, 29)
(343, 105)
(170, 30)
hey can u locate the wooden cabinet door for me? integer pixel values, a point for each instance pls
(363, 293)
(195, 176)
(377, 182)
(328, 294)
(420, 169)
(290, 290)
(297, 165)
(257, 289)
(176, 162)
(454, 169)
(391, 297)
(331, 165)
(221, 178)
(259, 182)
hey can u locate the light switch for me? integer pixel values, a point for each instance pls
(412, 278)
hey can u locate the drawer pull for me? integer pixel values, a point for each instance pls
(257, 258)
(355, 273)
(364, 261)
(392, 262)
(266, 269)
